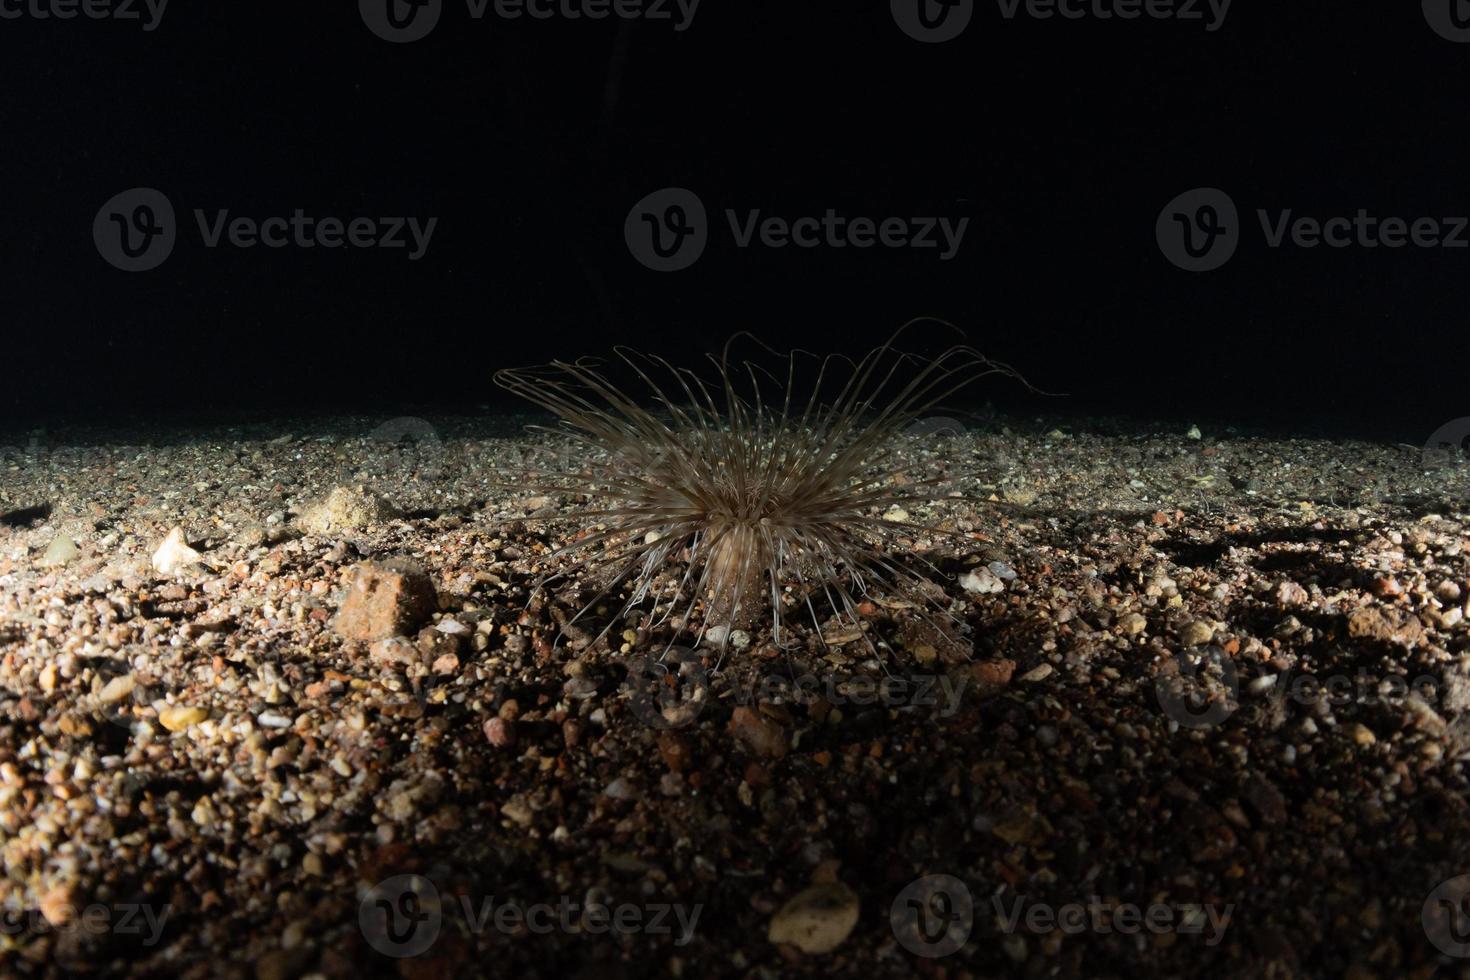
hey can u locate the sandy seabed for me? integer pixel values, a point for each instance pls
(1209, 718)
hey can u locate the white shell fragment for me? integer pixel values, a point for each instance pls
(175, 554)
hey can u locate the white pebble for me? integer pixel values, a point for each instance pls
(982, 581)
(1263, 683)
(621, 789)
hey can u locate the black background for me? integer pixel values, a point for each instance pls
(531, 140)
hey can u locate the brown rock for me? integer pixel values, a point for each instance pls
(993, 676)
(760, 735)
(674, 749)
(1387, 587)
(387, 599)
(1266, 800)
(1370, 623)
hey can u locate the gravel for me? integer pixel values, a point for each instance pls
(1219, 680)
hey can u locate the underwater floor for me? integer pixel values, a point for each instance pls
(1201, 709)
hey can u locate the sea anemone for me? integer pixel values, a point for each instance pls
(724, 493)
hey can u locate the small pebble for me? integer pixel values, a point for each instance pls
(816, 920)
(1197, 632)
(981, 581)
(61, 551)
(176, 718)
(117, 689)
(500, 733)
(621, 789)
